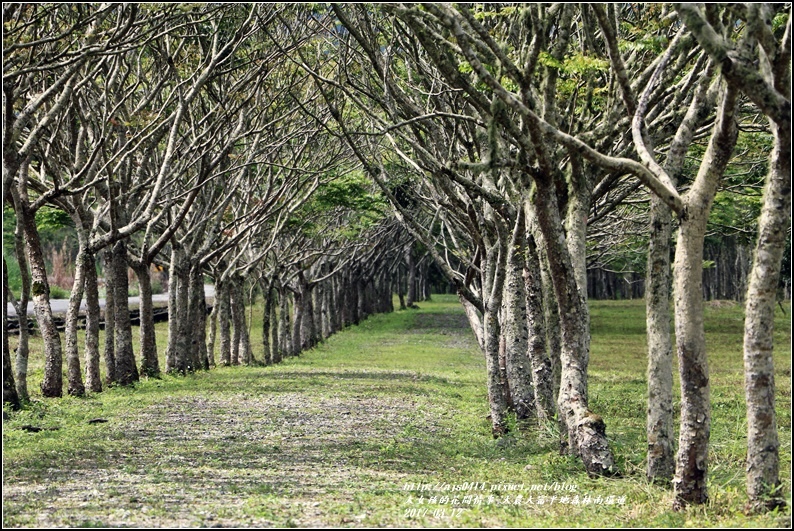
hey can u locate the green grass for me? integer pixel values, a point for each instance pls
(346, 435)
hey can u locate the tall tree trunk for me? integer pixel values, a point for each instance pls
(213, 321)
(410, 264)
(197, 316)
(126, 368)
(52, 385)
(236, 321)
(659, 427)
(110, 318)
(514, 327)
(23, 346)
(763, 482)
(297, 321)
(284, 340)
(75, 386)
(586, 431)
(275, 353)
(149, 363)
(542, 372)
(173, 309)
(493, 284)
(266, 315)
(689, 483)
(93, 381)
(10, 395)
(222, 300)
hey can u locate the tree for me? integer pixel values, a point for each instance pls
(767, 40)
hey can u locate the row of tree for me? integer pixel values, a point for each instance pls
(227, 141)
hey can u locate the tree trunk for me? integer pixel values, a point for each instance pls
(284, 341)
(23, 346)
(149, 363)
(52, 385)
(297, 321)
(410, 264)
(493, 284)
(222, 300)
(110, 318)
(275, 352)
(237, 321)
(763, 482)
(586, 431)
(126, 368)
(171, 364)
(197, 316)
(514, 327)
(93, 381)
(75, 386)
(659, 427)
(10, 395)
(689, 483)
(542, 372)
(213, 319)
(401, 288)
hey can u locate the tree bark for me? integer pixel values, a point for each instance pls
(126, 368)
(222, 299)
(493, 284)
(10, 395)
(150, 366)
(514, 327)
(542, 372)
(689, 483)
(174, 280)
(75, 386)
(52, 385)
(763, 482)
(93, 381)
(110, 318)
(586, 430)
(23, 346)
(659, 424)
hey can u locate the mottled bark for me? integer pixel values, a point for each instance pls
(213, 331)
(542, 372)
(110, 318)
(52, 384)
(93, 381)
(410, 264)
(149, 364)
(21, 306)
(275, 352)
(586, 431)
(267, 296)
(173, 309)
(514, 327)
(222, 300)
(75, 386)
(297, 322)
(689, 483)
(126, 368)
(475, 320)
(763, 462)
(284, 341)
(551, 316)
(493, 284)
(197, 317)
(659, 425)
(10, 395)
(238, 317)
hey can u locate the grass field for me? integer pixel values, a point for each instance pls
(384, 424)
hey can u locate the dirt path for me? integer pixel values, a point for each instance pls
(285, 446)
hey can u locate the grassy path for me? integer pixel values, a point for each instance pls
(347, 435)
